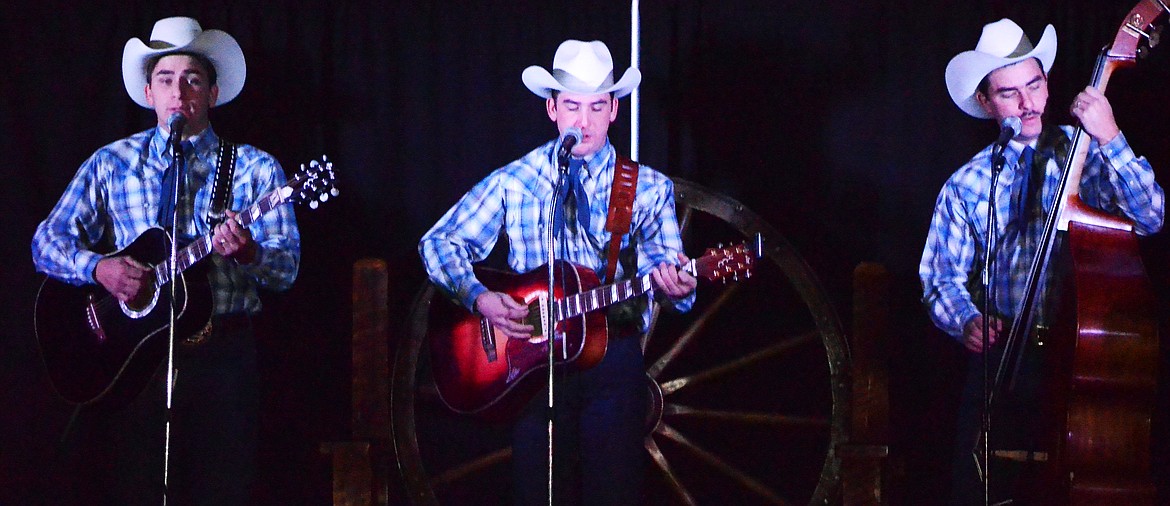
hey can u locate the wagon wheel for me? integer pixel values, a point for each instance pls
(748, 388)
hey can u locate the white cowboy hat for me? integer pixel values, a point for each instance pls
(1002, 43)
(181, 34)
(580, 67)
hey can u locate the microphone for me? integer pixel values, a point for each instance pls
(1008, 129)
(175, 124)
(571, 137)
(178, 121)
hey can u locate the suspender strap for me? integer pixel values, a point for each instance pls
(621, 210)
(221, 191)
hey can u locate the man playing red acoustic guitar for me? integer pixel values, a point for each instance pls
(601, 410)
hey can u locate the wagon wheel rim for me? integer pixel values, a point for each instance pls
(666, 443)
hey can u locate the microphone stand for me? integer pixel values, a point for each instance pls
(179, 162)
(562, 158)
(988, 304)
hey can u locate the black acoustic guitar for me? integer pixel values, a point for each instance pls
(97, 348)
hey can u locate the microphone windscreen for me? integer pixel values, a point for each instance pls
(177, 122)
(574, 133)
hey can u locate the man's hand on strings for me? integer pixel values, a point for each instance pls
(973, 333)
(234, 241)
(1095, 114)
(124, 277)
(504, 313)
(672, 281)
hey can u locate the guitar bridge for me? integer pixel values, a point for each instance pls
(91, 318)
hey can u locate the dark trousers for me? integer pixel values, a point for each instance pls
(119, 456)
(1018, 423)
(599, 428)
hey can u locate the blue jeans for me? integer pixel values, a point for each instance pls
(598, 427)
(213, 430)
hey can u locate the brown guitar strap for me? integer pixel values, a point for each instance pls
(621, 210)
(221, 191)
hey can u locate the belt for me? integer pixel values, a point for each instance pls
(228, 322)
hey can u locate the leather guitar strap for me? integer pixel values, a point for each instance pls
(621, 210)
(221, 191)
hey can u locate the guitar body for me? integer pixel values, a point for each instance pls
(472, 381)
(96, 349)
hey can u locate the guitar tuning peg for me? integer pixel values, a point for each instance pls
(334, 191)
(313, 204)
(314, 164)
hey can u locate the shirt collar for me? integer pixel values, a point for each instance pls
(1016, 150)
(203, 143)
(599, 160)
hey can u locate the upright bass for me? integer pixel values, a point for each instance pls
(1101, 340)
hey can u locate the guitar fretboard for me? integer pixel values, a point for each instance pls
(597, 298)
(201, 247)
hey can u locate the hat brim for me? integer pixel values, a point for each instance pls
(217, 46)
(542, 83)
(967, 69)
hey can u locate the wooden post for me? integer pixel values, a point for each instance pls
(862, 476)
(371, 371)
(360, 466)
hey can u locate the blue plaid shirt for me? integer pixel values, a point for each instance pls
(119, 189)
(516, 198)
(1114, 180)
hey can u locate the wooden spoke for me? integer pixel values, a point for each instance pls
(471, 467)
(726, 368)
(772, 419)
(699, 324)
(714, 461)
(664, 466)
(684, 220)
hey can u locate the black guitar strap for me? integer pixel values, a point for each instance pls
(221, 191)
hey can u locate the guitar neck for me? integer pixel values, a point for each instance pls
(603, 296)
(200, 248)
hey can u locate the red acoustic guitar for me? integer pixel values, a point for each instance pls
(480, 371)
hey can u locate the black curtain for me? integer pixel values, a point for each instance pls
(830, 119)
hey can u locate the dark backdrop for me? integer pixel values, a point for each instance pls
(830, 119)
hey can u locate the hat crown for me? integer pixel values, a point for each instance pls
(586, 62)
(174, 32)
(1003, 38)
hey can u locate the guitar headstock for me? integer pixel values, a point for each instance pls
(731, 262)
(313, 183)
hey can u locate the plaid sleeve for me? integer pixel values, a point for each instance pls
(60, 244)
(276, 232)
(1123, 183)
(947, 259)
(660, 239)
(464, 235)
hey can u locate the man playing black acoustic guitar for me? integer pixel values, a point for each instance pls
(120, 193)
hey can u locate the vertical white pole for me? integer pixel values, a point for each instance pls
(635, 27)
